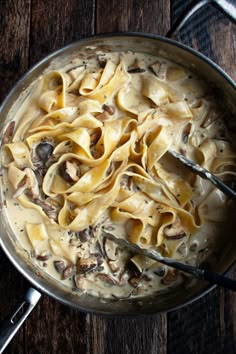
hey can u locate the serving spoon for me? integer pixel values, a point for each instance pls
(203, 274)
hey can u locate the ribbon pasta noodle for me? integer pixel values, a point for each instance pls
(89, 155)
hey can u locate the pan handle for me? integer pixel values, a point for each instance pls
(228, 7)
(10, 325)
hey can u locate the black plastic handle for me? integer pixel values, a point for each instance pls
(217, 279)
(228, 7)
(10, 325)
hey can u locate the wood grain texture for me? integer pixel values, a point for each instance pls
(14, 41)
(11, 290)
(55, 328)
(14, 48)
(133, 15)
(145, 334)
(57, 23)
(210, 32)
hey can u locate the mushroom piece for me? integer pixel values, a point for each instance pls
(85, 265)
(170, 277)
(50, 207)
(159, 69)
(135, 68)
(44, 256)
(109, 109)
(84, 235)
(186, 132)
(79, 281)
(44, 150)
(134, 281)
(210, 118)
(103, 116)
(95, 136)
(106, 279)
(102, 60)
(29, 182)
(68, 272)
(110, 249)
(59, 266)
(113, 266)
(175, 231)
(160, 272)
(7, 137)
(70, 171)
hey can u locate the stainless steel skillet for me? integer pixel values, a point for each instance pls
(152, 44)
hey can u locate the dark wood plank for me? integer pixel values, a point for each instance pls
(55, 328)
(57, 23)
(210, 32)
(11, 290)
(14, 41)
(129, 335)
(131, 15)
(207, 325)
(14, 45)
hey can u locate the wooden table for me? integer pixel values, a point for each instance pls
(29, 30)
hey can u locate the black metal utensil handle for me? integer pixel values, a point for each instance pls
(17, 316)
(199, 273)
(228, 7)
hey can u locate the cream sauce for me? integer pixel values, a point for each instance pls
(113, 275)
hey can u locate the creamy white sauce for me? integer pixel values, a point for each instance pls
(190, 89)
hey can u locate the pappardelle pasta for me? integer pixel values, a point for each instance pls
(87, 154)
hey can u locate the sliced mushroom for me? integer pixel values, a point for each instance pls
(50, 207)
(102, 60)
(160, 272)
(159, 69)
(7, 137)
(44, 256)
(210, 118)
(95, 136)
(175, 231)
(79, 281)
(170, 277)
(70, 171)
(103, 116)
(106, 279)
(44, 151)
(186, 133)
(68, 272)
(84, 235)
(74, 92)
(59, 266)
(109, 109)
(110, 249)
(134, 281)
(20, 190)
(113, 266)
(135, 68)
(31, 182)
(85, 265)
